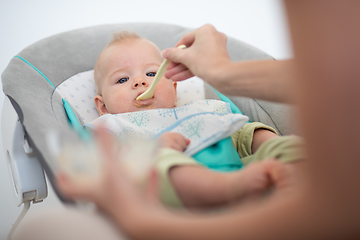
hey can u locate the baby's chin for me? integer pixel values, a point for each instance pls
(147, 104)
(146, 107)
(144, 103)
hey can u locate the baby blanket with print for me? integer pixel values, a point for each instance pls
(204, 122)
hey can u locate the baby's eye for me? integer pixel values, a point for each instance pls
(151, 74)
(122, 80)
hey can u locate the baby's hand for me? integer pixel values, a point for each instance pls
(174, 140)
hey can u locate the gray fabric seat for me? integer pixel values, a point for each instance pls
(30, 80)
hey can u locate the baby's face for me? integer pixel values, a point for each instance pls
(128, 69)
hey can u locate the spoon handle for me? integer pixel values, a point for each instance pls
(149, 93)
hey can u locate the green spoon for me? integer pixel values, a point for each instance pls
(149, 93)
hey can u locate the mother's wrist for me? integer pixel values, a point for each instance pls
(217, 76)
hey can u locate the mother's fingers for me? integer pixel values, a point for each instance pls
(182, 76)
(187, 39)
(206, 51)
(203, 32)
(75, 189)
(152, 191)
(106, 142)
(178, 72)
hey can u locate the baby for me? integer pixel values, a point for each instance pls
(124, 70)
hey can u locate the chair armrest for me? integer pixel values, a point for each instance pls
(26, 172)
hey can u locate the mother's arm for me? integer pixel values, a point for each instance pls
(206, 56)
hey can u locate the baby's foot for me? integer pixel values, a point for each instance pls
(254, 178)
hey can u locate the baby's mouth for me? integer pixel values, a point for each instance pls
(143, 103)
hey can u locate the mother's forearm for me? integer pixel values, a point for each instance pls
(257, 221)
(266, 80)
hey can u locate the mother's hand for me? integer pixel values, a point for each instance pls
(115, 193)
(205, 54)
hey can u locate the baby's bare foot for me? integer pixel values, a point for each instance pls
(253, 179)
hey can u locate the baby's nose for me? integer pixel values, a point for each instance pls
(140, 82)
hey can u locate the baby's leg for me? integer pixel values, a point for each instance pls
(187, 183)
(256, 141)
(284, 149)
(201, 188)
(260, 136)
(184, 182)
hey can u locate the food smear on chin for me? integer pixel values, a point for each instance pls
(142, 103)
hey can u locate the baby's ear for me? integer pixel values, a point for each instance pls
(100, 105)
(175, 100)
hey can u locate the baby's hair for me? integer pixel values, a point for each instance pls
(117, 37)
(121, 36)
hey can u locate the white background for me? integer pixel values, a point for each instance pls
(261, 23)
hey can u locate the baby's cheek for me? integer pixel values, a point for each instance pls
(171, 99)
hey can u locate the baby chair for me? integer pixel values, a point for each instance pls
(49, 86)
